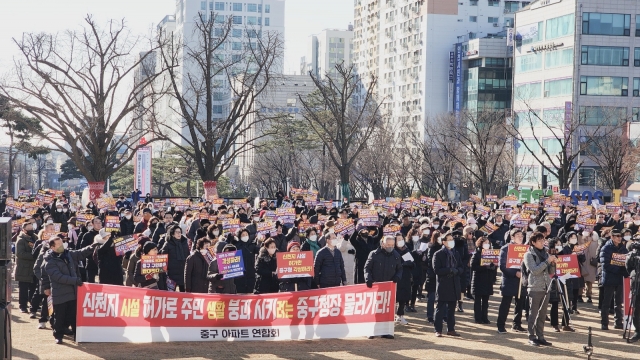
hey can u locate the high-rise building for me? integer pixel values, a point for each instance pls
(406, 45)
(326, 49)
(575, 62)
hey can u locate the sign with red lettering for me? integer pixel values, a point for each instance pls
(490, 256)
(109, 313)
(152, 264)
(112, 223)
(124, 244)
(295, 264)
(515, 255)
(618, 259)
(230, 264)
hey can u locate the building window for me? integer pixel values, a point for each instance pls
(553, 117)
(493, 20)
(553, 88)
(587, 176)
(528, 63)
(637, 25)
(203, 5)
(217, 109)
(636, 87)
(237, 6)
(473, 2)
(219, 19)
(598, 115)
(558, 58)
(236, 46)
(267, 8)
(252, 20)
(236, 58)
(528, 91)
(475, 63)
(494, 2)
(218, 32)
(552, 145)
(236, 33)
(529, 34)
(605, 56)
(260, 20)
(559, 27)
(494, 62)
(636, 57)
(237, 20)
(219, 6)
(511, 6)
(266, 21)
(473, 18)
(604, 86)
(606, 24)
(252, 7)
(634, 114)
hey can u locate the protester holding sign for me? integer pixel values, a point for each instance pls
(483, 276)
(249, 249)
(612, 258)
(196, 269)
(266, 280)
(296, 280)
(403, 287)
(155, 280)
(133, 261)
(329, 265)
(109, 263)
(217, 281)
(556, 248)
(510, 286)
(177, 247)
(448, 268)
(364, 243)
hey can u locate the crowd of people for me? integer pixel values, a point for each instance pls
(433, 254)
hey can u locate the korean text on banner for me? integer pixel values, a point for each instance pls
(515, 255)
(124, 244)
(294, 264)
(230, 264)
(152, 264)
(112, 223)
(618, 259)
(568, 264)
(490, 256)
(108, 313)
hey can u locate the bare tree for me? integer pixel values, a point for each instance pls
(217, 90)
(614, 153)
(75, 84)
(480, 140)
(343, 113)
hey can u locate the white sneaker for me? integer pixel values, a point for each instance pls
(42, 325)
(396, 319)
(403, 321)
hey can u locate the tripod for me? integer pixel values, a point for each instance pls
(562, 291)
(634, 288)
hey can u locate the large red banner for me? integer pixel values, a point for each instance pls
(515, 255)
(108, 313)
(568, 264)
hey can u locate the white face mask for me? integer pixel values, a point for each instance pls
(49, 221)
(256, 219)
(415, 237)
(313, 237)
(573, 241)
(65, 245)
(244, 238)
(637, 222)
(627, 237)
(585, 233)
(400, 243)
(90, 228)
(532, 226)
(128, 217)
(559, 248)
(425, 232)
(59, 210)
(486, 246)
(34, 226)
(204, 251)
(451, 244)
(435, 226)
(271, 251)
(65, 210)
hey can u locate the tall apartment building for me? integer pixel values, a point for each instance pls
(326, 49)
(575, 59)
(406, 45)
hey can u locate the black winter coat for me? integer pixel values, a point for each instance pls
(612, 275)
(245, 284)
(126, 226)
(266, 281)
(148, 280)
(109, 264)
(62, 274)
(218, 285)
(510, 282)
(431, 274)
(403, 287)
(383, 266)
(178, 251)
(329, 268)
(463, 251)
(87, 240)
(482, 276)
(289, 285)
(447, 277)
(195, 274)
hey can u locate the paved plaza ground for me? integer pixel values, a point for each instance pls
(413, 341)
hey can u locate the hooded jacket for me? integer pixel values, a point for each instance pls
(217, 284)
(24, 258)
(612, 275)
(195, 274)
(178, 251)
(266, 281)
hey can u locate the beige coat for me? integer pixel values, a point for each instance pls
(349, 259)
(589, 271)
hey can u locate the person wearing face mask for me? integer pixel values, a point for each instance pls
(297, 283)
(217, 283)
(430, 285)
(126, 224)
(177, 247)
(556, 248)
(123, 203)
(61, 217)
(384, 264)
(161, 228)
(196, 269)
(153, 225)
(509, 287)
(133, 261)
(144, 223)
(588, 268)
(157, 281)
(93, 208)
(418, 273)
(27, 281)
(364, 244)
(612, 279)
(329, 265)
(448, 268)
(482, 278)
(244, 284)
(253, 227)
(61, 282)
(266, 279)
(403, 287)
(109, 264)
(89, 238)
(348, 256)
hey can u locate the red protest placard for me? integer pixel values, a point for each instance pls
(515, 255)
(391, 229)
(151, 264)
(618, 259)
(103, 311)
(490, 256)
(344, 227)
(112, 223)
(568, 264)
(294, 264)
(489, 228)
